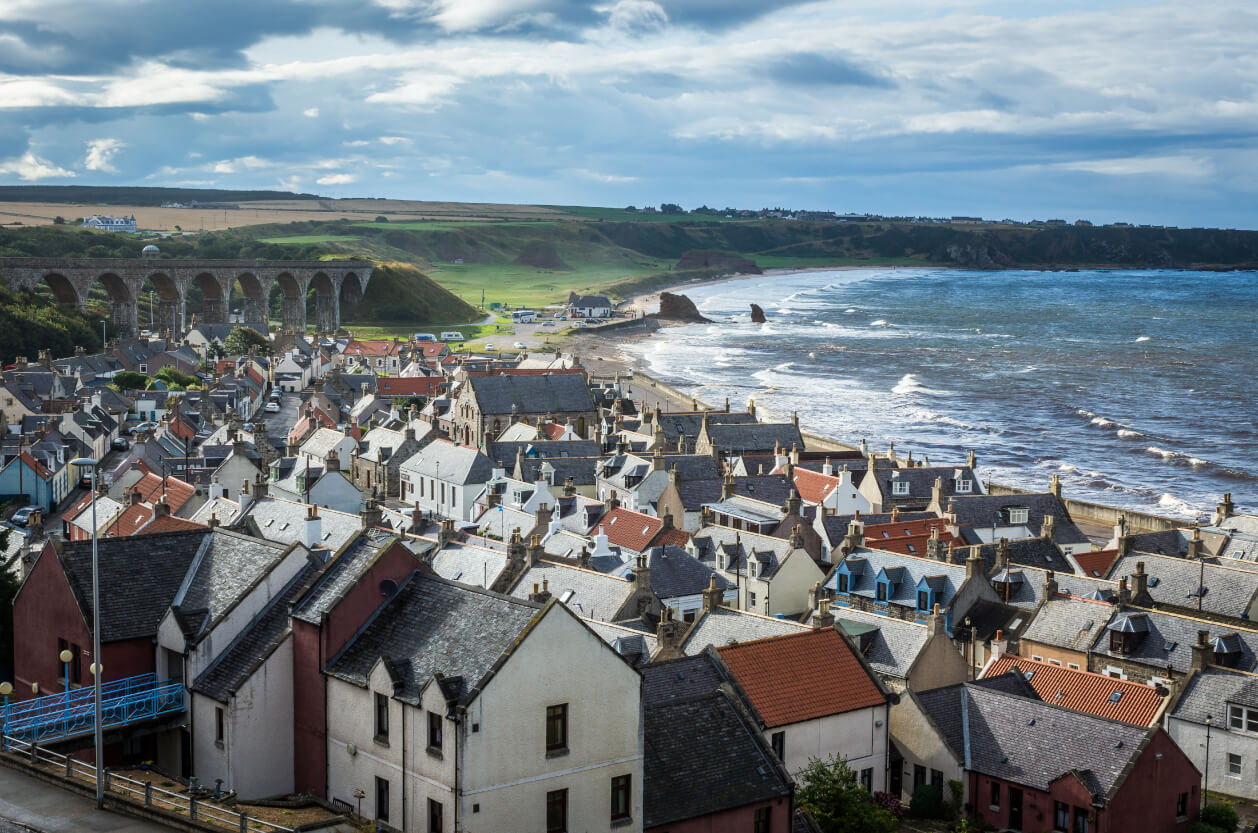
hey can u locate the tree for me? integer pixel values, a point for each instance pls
(130, 380)
(382, 219)
(215, 350)
(671, 208)
(831, 792)
(177, 380)
(58, 220)
(240, 339)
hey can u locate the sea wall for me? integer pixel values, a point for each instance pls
(1082, 510)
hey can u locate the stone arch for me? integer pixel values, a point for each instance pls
(62, 289)
(292, 301)
(327, 306)
(213, 302)
(122, 309)
(253, 307)
(168, 316)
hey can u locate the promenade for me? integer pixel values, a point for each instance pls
(28, 804)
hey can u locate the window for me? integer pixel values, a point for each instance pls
(382, 717)
(1120, 643)
(899, 487)
(557, 811)
(1239, 717)
(923, 600)
(1019, 515)
(763, 820)
(382, 799)
(936, 780)
(778, 742)
(751, 599)
(1081, 820)
(76, 664)
(435, 813)
(1073, 665)
(881, 592)
(964, 486)
(1037, 658)
(919, 776)
(1061, 815)
(1056, 662)
(1181, 805)
(1115, 672)
(219, 720)
(1234, 765)
(622, 791)
(843, 579)
(867, 779)
(557, 731)
(996, 794)
(434, 730)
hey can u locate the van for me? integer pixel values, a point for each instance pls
(425, 337)
(452, 335)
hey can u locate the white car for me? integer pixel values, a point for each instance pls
(489, 348)
(272, 408)
(548, 323)
(520, 345)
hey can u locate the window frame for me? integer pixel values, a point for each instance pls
(622, 798)
(435, 730)
(899, 488)
(436, 816)
(777, 741)
(381, 723)
(762, 820)
(995, 794)
(220, 726)
(1061, 817)
(557, 717)
(923, 600)
(843, 584)
(1235, 765)
(557, 800)
(382, 791)
(1246, 717)
(1081, 815)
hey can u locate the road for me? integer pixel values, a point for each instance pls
(27, 804)
(278, 425)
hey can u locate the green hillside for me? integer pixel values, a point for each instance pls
(400, 294)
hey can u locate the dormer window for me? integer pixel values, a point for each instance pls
(964, 487)
(722, 562)
(1121, 643)
(753, 568)
(881, 591)
(1018, 514)
(843, 582)
(923, 600)
(899, 487)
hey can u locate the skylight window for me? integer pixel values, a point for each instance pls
(1115, 697)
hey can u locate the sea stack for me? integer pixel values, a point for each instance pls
(757, 314)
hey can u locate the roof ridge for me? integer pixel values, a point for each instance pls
(1016, 658)
(1227, 626)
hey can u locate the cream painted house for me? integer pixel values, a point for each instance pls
(460, 709)
(772, 575)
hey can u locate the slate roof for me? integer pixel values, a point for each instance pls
(1025, 552)
(593, 594)
(506, 451)
(688, 423)
(982, 510)
(224, 571)
(1067, 622)
(321, 442)
(1209, 691)
(723, 626)
(139, 579)
(469, 564)
(580, 469)
(803, 676)
(836, 525)
(726, 764)
(252, 646)
(770, 488)
(557, 393)
(280, 521)
(1242, 537)
(432, 626)
(908, 570)
(1172, 542)
(1029, 592)
(676, 573)
(889, 645)
(738, 546)
(1165, 640)
(443, 460)
(754, 436)
(339, 575)
(1175, 581)
(1084, 691)
(631, 643)
(922, 482)
(1028, 742)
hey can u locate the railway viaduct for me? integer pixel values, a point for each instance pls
(71, 279)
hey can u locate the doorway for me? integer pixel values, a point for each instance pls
(1015, 808)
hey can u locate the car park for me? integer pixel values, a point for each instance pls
(489, 348)
(548, 323)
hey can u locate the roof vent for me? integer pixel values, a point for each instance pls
(1031, 722)
(1118, 745)
(388, 587)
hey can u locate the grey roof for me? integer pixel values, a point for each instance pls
(676, 573)
(1027, 552)
(1209, 692)
(322, 441)
(139, 578)
(580, 469)
(721, 626)
(590, 301)
(378, 445)
(223, 572)
(255, 643)
(1029, 742)
(1241, 532)
(593, 595)
(1167, 639)
(922, 481)
(768, 551)
(469, 564)
(1175, 581)
(340, 574)
(983, 510)
(755, 436)
(1167, 542)
(905, 570)
(1069, 623)
(890, 645)
(836, 526)
(770, 488)
(505, 452)
(688, 423)
(280, 520)
(628, 642)
(725, 764)
(432, 626)
(443, 460)
(1029, 592)
(553, 393)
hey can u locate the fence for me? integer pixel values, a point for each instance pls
(72, 713)
(143, 792)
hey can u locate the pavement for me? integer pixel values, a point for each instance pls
(28, 804)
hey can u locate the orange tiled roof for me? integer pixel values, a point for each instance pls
(1096, 564)
(408, 385)
(169, 523)
(626, 528)
(671, 538)
(813, 486)
(35, 466)
(177, 491)
(553, 430)
(909, 537)
(801, 676)
(1084, 691)
(130, 521)
(373, 347)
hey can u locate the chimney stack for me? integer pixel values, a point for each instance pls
(642, 574)
(446, 533)
(1202, 652)
(312, 529)
(938, 623)
(1054, 486)
(1225, 509)
(534, 552)
(1140, 587)
(823, 618)
(1195, 544)
(541, 594)
(934, 546)
(1050, 584)
(1048, 528)
(713, 596)
(974, 565)
(669, 635)
(1124, 594)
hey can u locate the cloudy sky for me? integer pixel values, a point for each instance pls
(1106, 109)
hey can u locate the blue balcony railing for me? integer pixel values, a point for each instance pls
(123, 702)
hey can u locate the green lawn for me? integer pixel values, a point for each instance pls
(307, 239)
(530, 287)
(596, 213)
(438, 225)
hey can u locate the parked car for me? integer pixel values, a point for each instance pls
(23, 516)
(272, 407)
(520, 345)
(120, 444)
(548, 323)
(425, 337)
(141, 427)
(489, 348)
(578, 323)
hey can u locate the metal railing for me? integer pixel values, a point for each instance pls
(182, 804)
(71, 713)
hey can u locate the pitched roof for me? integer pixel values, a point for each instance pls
(557, 393)
(725, 765)
(444, 460)
(726, 626)
(755, 436)
(223, 572)
(1176, 581)
(979, 510)
(409, 385)
(1069, 622)
(1084, 691)
(1095, 564)
(889, 645)
(676, 573)
(1165, 640)
(340, 574)
(813, 486)
(432, 626)
(909, 537)
(805, 676)
(1208, 690)
(627, 528)
(587, 593)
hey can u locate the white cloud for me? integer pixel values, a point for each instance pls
(30, 167)
(394, 140)
(100, 155)
(1195, 167)
(357, 143)
(311, 113)
(421, 91)
(248, 163)
(609, 179)
(336, 179)
(635, 15)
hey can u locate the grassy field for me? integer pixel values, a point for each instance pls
(526, 286)
(438, 225)
(306, 239)
(620, 215)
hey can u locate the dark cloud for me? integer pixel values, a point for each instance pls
(813, 68)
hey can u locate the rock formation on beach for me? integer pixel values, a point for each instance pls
(678, 308)
(757, 314)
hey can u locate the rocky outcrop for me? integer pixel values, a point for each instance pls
(678, 308)
(757, 314)
(719, 260)
(540, 256)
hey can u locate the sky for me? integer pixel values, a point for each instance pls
(1103, 110)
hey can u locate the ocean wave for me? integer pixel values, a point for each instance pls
(1142, 338)
(909, 384)
(1172, 456)
(1128, 434)
(1169, 502)
(1030, 368)
(850, 310)
(1102, 422)
(879, 323)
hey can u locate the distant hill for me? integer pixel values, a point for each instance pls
(110, 195)
(399, 293)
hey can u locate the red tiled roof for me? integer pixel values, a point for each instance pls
(150, 487)
(169, 523)
(909, 537)
(1084, 691)
(1096, 564)
(373, 347)
(130, 521)
(554, 430)
(671, 538)
(628, 529)
(182, 430)
(801, 676)
(432, 349)
(813, 486)
(408, 385)
(35, 466)
(225, 366)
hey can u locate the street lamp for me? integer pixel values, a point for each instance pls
(6, 689)
(97, 665)
(65, 657)
(1205, 792)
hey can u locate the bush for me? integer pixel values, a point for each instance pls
(927, 802)
(891, 803)
(1202, 827)
(1222, 816)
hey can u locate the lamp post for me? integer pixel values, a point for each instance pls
(6, 689)
(97, 665)
(1205, 791)
(65, 657)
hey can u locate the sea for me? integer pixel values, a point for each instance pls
(1138, 388)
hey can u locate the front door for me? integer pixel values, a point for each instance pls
(1015, 808)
